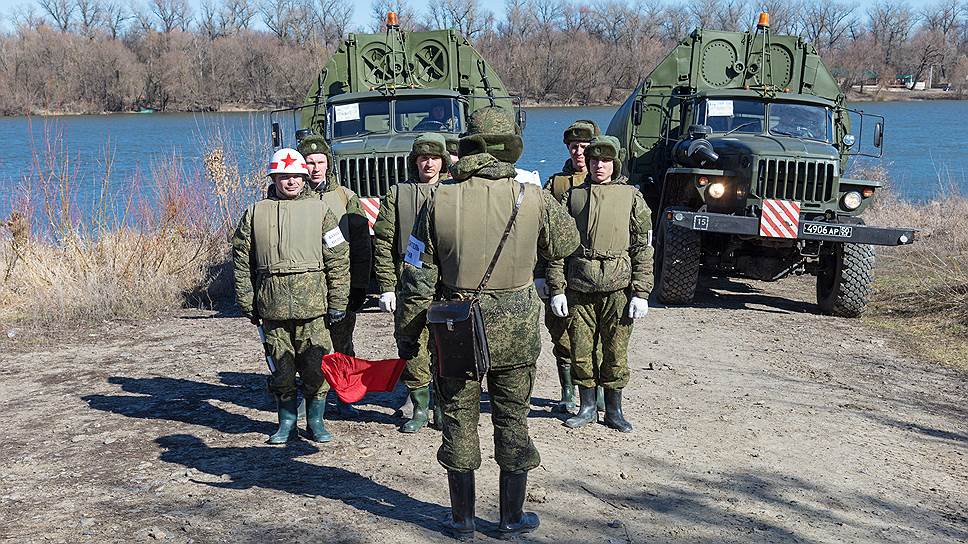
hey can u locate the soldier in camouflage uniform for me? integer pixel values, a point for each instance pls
(427, 162)
(576, 139)
(459, 230)
(291, 265)
(606, 282)
(355, 228)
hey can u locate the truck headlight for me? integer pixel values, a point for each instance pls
(716, 190)
(852, 200)
(849, 140)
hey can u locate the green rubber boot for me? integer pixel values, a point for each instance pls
(315, 426)
(287, 422)
(600, 398)
(586, 412)
(567, 402)
(421, 403)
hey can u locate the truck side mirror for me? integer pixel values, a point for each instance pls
(522, 118)
(878, 134)
(276, 137)
(637, 112)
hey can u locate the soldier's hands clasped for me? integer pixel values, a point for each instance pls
(357, 299)
(334, 316)
(559, 305)
(388, 302)
(407, 347)
(638, 307)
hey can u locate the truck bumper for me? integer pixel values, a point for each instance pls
(808, 230)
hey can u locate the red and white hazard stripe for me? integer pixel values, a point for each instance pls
(371, 207)
(780, 219)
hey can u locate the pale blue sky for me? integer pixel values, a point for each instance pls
(361, 13)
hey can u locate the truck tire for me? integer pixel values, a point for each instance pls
(844, 284)
(678, 271)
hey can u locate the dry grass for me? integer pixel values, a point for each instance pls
(139, 253)
(921, 290)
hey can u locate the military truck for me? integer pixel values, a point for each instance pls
(739, 142)
(379, 91)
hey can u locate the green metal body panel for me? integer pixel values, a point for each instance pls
(391, 67)
(737, 67)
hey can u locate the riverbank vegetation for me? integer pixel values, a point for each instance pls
(166, 55)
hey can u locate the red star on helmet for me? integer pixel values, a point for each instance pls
(288, 160)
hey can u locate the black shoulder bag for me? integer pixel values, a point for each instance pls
(457, 326)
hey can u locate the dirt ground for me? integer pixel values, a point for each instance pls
(756, 420)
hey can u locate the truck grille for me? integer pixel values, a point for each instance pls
(372, 176)
(802, 180)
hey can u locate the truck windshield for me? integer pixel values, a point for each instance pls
(360, 118)
(782, 119)
(427, 115)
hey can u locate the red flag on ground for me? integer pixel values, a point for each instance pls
(352, 377)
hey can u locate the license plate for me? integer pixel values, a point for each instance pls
(824, 229)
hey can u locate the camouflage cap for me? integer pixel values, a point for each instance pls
(314, 144)
(582, 130)
(492, 120)
(452, 143)
(609, 148)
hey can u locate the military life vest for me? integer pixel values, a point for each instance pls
(410, 200)
(603, 216)
(337, 200)
(564, 180)
(469, 220)
(287, 235)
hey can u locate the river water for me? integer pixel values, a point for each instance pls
(924, 152)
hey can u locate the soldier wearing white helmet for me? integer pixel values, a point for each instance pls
(291, 266)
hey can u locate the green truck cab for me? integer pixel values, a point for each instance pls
(739, 142)
(378, 92)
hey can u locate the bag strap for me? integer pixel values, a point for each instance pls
(500, 245)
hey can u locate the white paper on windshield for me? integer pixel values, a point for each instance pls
(720, 108)
(346, 112)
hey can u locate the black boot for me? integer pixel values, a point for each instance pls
(600, 399)
(461, 521)
(567, 403)
(514, 520)
(421, 403)
(315, 427)
(613, 411)
(287, 421)
(586, 412)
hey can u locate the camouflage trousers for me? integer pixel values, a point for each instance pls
(511, 322)
(599, 329)
(417, 373)
(558, 329)
(298, 345)
(342, 335)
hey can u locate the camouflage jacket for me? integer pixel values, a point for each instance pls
(638, 260)
(356, 230)
(387, 264)
(557, 238)
(302, 295)
(557, 189)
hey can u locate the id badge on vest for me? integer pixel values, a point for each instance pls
(415, 250)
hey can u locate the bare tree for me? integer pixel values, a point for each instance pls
(407, 16)
(171, 14)
(61, 12)
(469, 17)
(329, 19)
(90, 16)
(828, 24)
(891, 22)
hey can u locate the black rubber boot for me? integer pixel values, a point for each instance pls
(514, 520)
(421, 403)
(614, 417)
(600, 398)
(315, 426)
(287, 422)
(567, 402)
(461, 521)
(586, 411)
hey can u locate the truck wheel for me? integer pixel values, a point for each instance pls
(844, 284)
(678, 274)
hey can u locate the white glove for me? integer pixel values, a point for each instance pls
(559, 305)
(638, 307)
(388, 302)
(541, 287)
